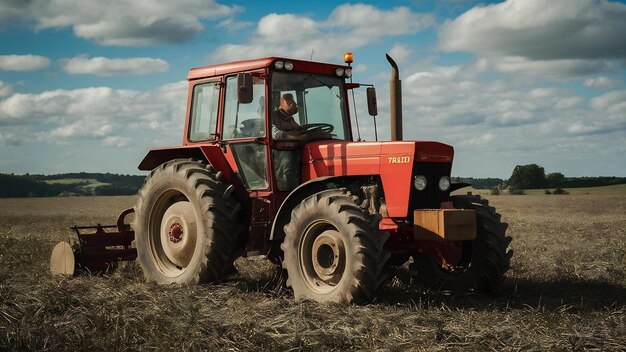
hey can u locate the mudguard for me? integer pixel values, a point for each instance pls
(212, 154)
(296, 196)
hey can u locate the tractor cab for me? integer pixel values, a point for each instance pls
(236, 106)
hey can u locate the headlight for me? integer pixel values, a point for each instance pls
(279, 65)
(348, 72)
(339, 71)
(419, 182)
(288, 66)
(444, 183)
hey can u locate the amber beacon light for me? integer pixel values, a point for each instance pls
(348, 58)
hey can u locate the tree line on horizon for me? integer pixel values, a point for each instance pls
(19, 186)
(530, 176)
(533, 176)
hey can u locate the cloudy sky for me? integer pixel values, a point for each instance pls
(91, 85)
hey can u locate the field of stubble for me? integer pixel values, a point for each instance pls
(566, 290)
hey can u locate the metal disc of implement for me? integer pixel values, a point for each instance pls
(62, 260)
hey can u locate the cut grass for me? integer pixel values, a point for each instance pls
(94, 185)
(70, 181)
(84, 183)
(603, 190)
(566, 290)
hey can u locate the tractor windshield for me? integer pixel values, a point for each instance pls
(320, 99)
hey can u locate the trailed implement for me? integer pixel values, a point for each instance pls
(96, 249)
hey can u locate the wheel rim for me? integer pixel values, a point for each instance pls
(322, 257)
(173, 233)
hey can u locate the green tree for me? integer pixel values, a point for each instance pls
(527, 177)
(555, 179)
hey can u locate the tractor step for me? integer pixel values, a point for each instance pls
(99, 248)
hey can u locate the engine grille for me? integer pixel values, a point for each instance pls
(431, 197)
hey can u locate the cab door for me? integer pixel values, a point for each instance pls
(245, 138)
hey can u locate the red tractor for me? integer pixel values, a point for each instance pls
(335, 212)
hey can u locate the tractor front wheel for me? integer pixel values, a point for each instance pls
(188, 227)
(477, 265)
(333, 250)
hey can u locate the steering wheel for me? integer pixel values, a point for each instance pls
(316, 128)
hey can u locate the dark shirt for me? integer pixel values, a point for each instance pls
(282, 123)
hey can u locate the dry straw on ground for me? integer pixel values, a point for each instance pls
(566, 291)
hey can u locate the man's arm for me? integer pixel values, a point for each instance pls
(279, 134)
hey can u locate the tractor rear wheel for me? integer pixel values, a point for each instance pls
(333, 250)
(481, 263)
(187, 224)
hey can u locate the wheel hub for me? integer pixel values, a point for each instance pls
(178, 234)
(328, 256)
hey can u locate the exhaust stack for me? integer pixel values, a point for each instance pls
(395, 101)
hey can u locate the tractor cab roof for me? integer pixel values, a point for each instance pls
(247, 65)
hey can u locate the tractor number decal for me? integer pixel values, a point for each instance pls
(399, 159)
(435, 157)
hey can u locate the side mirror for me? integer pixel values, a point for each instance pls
(244, 88)
(372, 105)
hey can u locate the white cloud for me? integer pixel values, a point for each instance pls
(5, 89)
(580, 128)
(12, 10)
(540, 30)
(497, 121)
(400, 52)
(347, 28)
(359, 68)
(445, 72)
(116, 141)
(562, 36)
(602, 114)
(102, 66)
(546, 92)
(445, 96)
(23, 62)
(120, 22)
(601, 82)
(555, 68)
(513, 118)
(233, 25)
(608, 100)
(80, 129)
(371, 21)
(9, 139)
(613, 104)
(274, 27)
(115, 117)
(568, 103)
(485, 138)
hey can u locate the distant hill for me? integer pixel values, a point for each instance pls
(71, 184)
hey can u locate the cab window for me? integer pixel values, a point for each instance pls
(320, 99)
(244, 120)
(204, 105)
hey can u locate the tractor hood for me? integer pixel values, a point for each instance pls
(392, 161)
(353, 154)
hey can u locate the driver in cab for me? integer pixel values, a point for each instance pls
(283, 124)
(287, 162)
